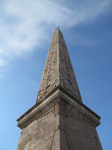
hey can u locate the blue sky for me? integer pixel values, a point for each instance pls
(26, 29)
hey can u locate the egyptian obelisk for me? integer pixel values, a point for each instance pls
(59, 120)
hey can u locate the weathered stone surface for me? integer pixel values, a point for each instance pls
(59, 129)
(64, 145)
(56, 141)
(58, 69)
(40, 133)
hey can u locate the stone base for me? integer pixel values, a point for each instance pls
(59, 129)
(58, 124)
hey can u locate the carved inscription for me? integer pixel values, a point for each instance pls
(49, 81)
(58, 69)
(68, 81)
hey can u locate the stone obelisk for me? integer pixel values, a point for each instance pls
(59, 120)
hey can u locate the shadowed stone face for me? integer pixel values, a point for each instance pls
(58, 69)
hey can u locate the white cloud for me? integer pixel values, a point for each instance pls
(23, 24)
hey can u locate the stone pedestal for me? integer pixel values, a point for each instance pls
(59, 122)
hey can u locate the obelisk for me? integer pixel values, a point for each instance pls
(59, 120)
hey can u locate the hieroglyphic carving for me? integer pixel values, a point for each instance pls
(68, 80)
(58, 69)
(49, 81)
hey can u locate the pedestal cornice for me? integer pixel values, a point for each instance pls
(59, 95)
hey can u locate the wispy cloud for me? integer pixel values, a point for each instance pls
(23, 24)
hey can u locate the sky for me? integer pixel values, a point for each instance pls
(26, 29)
